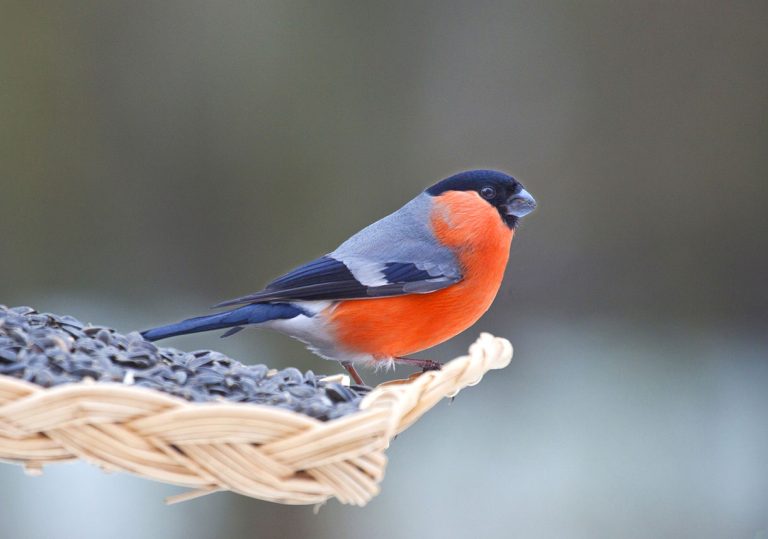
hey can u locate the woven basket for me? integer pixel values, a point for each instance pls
(255, 450)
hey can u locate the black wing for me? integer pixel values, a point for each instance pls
(329, 279)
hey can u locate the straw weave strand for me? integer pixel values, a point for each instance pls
(258, 451)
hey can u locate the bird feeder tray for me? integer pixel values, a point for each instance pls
(255, 450)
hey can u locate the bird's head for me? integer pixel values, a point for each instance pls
(500, 190)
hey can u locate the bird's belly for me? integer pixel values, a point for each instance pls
(398, 326)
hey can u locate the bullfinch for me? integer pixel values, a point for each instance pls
(406, 283)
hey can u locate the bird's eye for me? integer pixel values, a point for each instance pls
(488, 192)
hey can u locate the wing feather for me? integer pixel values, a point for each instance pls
(414, 262)
(329, 279)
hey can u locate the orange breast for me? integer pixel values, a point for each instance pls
(401, 325)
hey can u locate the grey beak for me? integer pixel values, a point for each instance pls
(520, 204)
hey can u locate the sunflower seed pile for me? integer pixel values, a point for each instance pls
(50, 350)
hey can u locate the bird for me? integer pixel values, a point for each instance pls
(401, 285)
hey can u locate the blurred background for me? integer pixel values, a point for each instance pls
(157, 157)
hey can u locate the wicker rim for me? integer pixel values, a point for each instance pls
(255, 450)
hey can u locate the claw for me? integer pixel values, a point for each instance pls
(425, 364)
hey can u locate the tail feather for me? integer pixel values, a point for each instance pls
(242, 316)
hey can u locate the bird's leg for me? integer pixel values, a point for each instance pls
(352, 372)
(425, 364)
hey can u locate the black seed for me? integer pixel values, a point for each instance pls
(71, 321)
(339, 393)
(291, 375)
(104, 336)
(207, 378)
(44, 378)
(302, 392)
(49, 350)
(12, 368)
(8, 354)
(199, 360)
(258, 372)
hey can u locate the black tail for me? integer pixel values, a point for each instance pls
(236, 318)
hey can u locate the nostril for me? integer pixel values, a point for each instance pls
(525, 197)
(524, 201)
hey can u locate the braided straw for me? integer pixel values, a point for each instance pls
(255, 450)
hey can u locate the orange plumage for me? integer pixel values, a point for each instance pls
(397, 326)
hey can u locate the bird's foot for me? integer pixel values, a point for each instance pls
(352, 372)
(425, 364)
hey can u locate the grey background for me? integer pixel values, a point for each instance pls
(157, 157)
